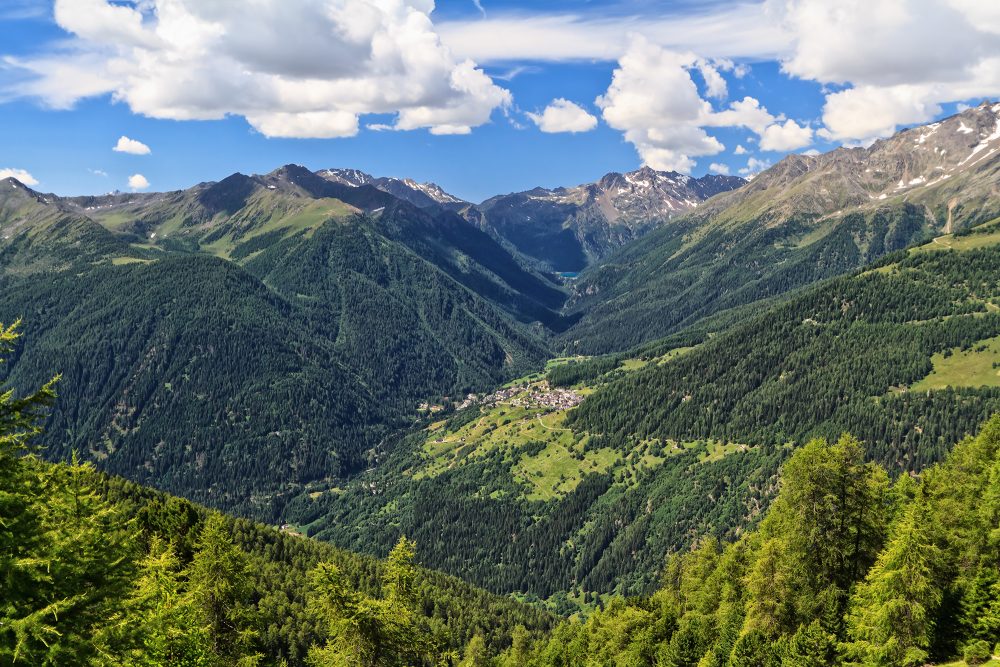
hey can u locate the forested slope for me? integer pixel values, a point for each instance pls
(234, 342)
(805, 219)
(95, 570)
(846, 356)
(684, 437)
(846, 569)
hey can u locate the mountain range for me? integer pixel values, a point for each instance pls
(367, 357)
(568, 229)
(805, 219)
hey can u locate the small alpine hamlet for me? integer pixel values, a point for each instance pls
(500, 333)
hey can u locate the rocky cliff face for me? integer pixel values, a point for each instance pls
(950, 167)
(569, 228)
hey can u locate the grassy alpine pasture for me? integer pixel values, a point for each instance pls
(978, 366)
(546, 455)
(550, 458)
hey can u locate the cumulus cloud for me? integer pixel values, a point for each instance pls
(131, 146)
(747, 113)
(19, 174)
(787, 136)
(715, 84)
(138, 182)
(754, 167)
(654, 100)
(303, 69)
(561, 115)
(902, 59)
(739, 150)
(719, 168)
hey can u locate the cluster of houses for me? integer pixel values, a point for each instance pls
(536, 395)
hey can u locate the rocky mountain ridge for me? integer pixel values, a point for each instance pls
(569, 228)
(807, 218)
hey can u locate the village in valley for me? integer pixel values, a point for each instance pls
(528, 395)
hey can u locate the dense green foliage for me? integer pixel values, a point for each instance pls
(837, 358)
(236, 380)
(262, 345)
(846, 569)
(681, 273)
(98, 571)
(607, 534)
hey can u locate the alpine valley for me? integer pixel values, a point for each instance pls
(649, 420)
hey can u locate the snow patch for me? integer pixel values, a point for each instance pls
(938, 180)
(983, 144)
(932, 129)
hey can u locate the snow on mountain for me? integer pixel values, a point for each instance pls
(568, 228)
(418, 194)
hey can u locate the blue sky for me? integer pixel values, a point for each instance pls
(79, 74)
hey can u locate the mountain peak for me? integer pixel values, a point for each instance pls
(228, 195)
(11, 183)
(423, 195)
(352, 177)
(948, 168)
(568, 228)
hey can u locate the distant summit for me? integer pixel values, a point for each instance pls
(569, 228)
(419, 194)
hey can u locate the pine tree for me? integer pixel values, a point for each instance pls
(370, 632)
(891, 621)
(221, 588)
(823, 532)
(811, 646)
(160, 623)
(520, 649)
(475, 654)
(93, 547)
(28, 608)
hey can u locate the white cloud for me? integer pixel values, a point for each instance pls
(561, 115)
(303, 69)
(902, 59)
(739, 150)
(132, 146)
(747, 112)
(512, 73)
(138, 182)
(744, 30)
(98, 172)
(719, 168)
(788, 136)
(19, 174)
(867, 112)
(313, 124)
(715, 84)
(655, 102)
(754, 167)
